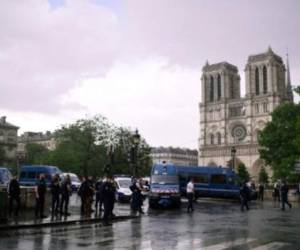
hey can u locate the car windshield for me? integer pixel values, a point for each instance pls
(165, 179)
(124, 183)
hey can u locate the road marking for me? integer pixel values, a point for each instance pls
(228, 244)
(272, 245)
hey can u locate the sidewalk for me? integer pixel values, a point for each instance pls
(28, 220)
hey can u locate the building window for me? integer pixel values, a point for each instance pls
(211, 89)
(219, 138)
(256, 107)
(265, 80)
(219, 87)
(212, 139)
(256, 81)
(265, 107)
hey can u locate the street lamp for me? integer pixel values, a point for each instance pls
(233, 152)
(136, 138)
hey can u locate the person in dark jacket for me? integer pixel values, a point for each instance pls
(55, 191)
(261, 189)
(66, 191)
(99, 198)
(81, 193)
(108, 194)
(40, 193)
(276, 193)
(14, 195)
(245, 196)
(284, 195)
(136, 199)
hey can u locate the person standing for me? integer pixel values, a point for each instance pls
(82, 194)
(284, 195)
(55, 191)
(261, 190)
(136, 199)
(14, 195)
(40, 193)
(108, 194)
(66, 191)
(276, 193)
(190, 195)
(99, 199)
(244, 196)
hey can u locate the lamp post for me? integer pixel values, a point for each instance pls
(233, 152)
(136, 138)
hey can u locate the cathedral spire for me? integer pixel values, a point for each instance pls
(289, 89)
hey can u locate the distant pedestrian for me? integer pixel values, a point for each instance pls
(89, 196)
(284, 195)
(261, 189)
(276, 193)
(40, 193)
(108, 194)
(99, 198)
(66, 191)
(82, 193)
(55, 191)
(190, 190)
(244, 196)
(14, 193)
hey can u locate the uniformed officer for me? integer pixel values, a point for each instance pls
(14, 195)
(99, 198)
(108, 194)
(284, 195)
(66, 191)
(40, 193)
(244, 195)
(55, 191)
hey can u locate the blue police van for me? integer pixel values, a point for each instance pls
(30, 173)
(168, 183)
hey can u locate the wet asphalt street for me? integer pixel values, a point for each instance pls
(214, 225)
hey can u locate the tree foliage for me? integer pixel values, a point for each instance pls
(280, 140)
(242, 173)
(36, 153)
(83, 148)
(263, 176)
(2, 155)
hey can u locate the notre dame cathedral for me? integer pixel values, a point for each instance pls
(229, 124)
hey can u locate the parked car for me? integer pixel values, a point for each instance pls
(5, 176)
(123, 193)
(74, 179)
(30, 174)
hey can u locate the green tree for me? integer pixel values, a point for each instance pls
(2, 155)
(242, 173)
(280, 140)
(263, 176)
(36, 153)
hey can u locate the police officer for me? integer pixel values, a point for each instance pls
(82, 194)
(66, 191)
(244, 196)
(14, 195)
(284, 195)
(136, 200)
(55, 191)
(99, 198)
(108, 194)
(40, 193)
(190, 195)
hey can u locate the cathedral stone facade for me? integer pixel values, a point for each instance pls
(229, 122)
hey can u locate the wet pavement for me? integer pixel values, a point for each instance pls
(214, 225)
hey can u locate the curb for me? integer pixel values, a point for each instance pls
(60, 223)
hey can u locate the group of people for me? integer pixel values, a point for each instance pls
(280, 194)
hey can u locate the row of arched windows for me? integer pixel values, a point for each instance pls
(264, 81)
(212, 88)
(215, 139)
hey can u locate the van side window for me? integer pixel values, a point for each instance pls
(23, 175)
(218, 179)
(31, 175)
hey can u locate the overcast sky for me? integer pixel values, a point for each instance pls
(138, 63)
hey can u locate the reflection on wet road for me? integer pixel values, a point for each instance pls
(213, 226)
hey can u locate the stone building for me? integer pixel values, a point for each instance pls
(46, 139)
(8, 139)
(176, 156)
(228, 120)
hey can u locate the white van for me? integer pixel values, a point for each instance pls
(123, 193)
